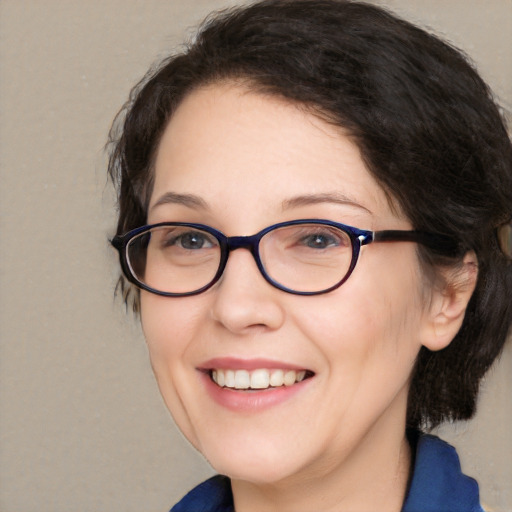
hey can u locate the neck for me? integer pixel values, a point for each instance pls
(373, 476)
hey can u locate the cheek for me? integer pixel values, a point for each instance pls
(159, 324)
(392, 292)
(368, 328)
(370, 311)
(169, 327)
(168, 324)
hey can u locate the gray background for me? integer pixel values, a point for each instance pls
(82, 426)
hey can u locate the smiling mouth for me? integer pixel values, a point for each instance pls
(259, 379)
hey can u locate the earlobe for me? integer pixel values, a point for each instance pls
(449, 302)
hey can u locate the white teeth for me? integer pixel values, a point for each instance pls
(229, 378)
(277, 378)
(219, 378)
(260, 379)
(257, 379)
(289, 378)
(242, 379)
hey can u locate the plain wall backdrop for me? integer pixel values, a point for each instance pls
(82, 425)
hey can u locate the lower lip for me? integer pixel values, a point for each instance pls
(251, 401)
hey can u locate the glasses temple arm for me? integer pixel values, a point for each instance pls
(439, 243)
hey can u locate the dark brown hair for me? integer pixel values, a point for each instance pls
(426, 125)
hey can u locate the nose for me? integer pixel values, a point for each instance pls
(244, 300)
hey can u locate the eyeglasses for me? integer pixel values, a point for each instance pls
(304, 257)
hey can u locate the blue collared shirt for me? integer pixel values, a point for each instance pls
(437, 485)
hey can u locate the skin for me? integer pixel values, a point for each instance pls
(245, 157)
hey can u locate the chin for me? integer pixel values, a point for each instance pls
(263, 467)
(254, 473)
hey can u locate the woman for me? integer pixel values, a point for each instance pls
(253, 170)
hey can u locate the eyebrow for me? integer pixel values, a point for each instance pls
(188, 200)
(193, 201)
(308, 199)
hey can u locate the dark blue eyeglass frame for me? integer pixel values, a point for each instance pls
(359, 237)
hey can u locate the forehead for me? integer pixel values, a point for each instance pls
(234, 147)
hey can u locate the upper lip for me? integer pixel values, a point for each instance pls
(234, 363)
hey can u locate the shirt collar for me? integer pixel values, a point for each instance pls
(437, 482)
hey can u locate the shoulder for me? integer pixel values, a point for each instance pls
(213, 495)
(437, 482)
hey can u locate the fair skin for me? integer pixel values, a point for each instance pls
(250, 161)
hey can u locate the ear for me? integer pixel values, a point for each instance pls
(449, 301)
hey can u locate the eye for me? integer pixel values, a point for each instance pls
(191, 240)
(310, 238)
(319, 241)
(320, 238)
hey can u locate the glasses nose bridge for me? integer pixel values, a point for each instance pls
(244, 242)
(250, 243)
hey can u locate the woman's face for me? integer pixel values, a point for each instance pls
(240, 161)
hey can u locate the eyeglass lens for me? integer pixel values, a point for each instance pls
(182, 259)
